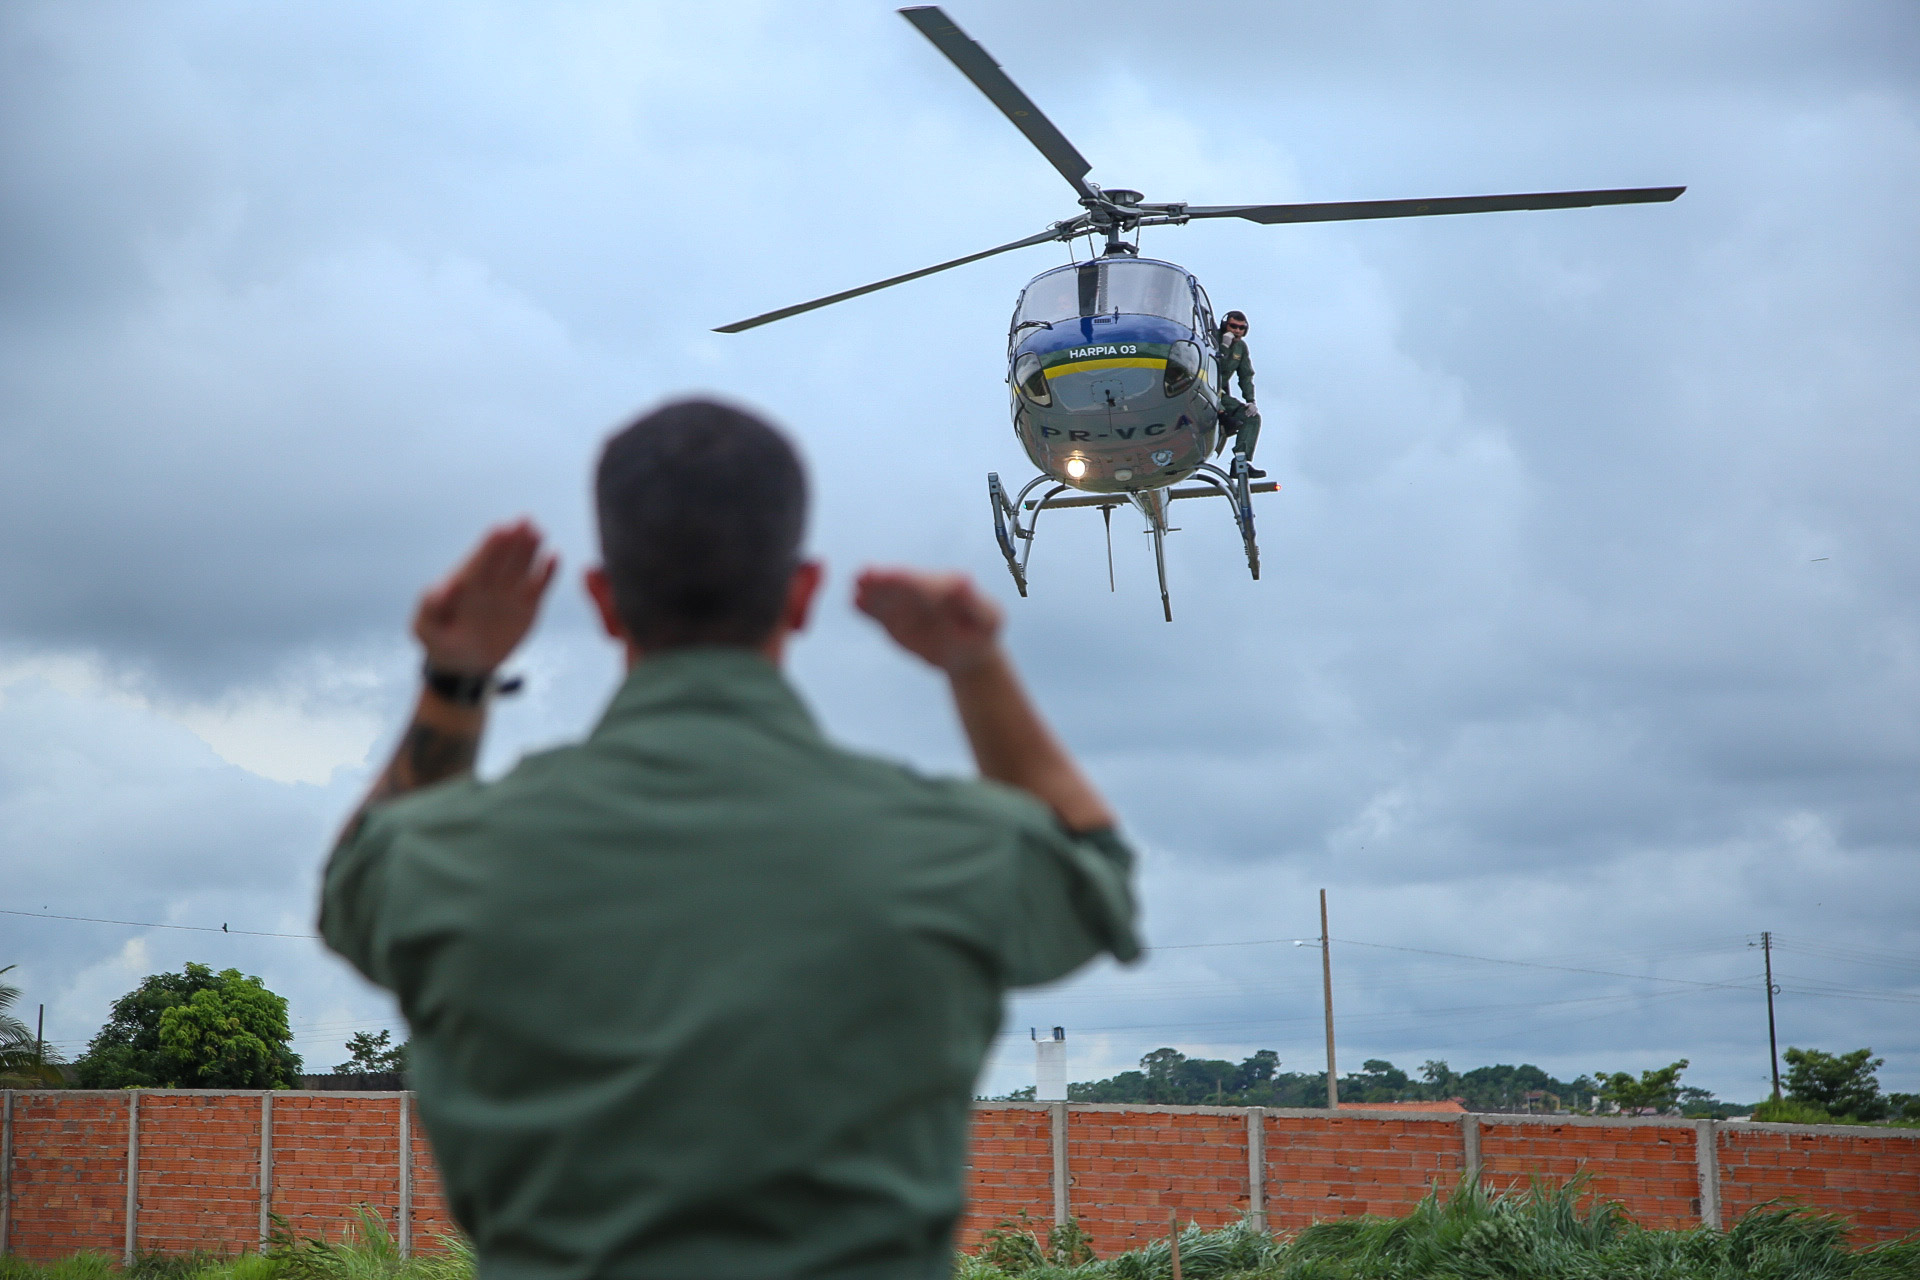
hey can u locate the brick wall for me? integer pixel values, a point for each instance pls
(1653, 1169)
(431, 1217)
(67, 1178)
(1324, 1165)
(1126, 1176)
(333, 1152)
(1009, 1168)
(199, 1170)
(197, 1162)
(1835, 1167)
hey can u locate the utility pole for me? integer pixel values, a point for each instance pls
(1326, 980)
(1773, 1041)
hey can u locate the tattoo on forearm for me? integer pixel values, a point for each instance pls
(428, 754)
(431, 754)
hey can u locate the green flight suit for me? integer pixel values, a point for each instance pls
(704, 997)
(1234, 360)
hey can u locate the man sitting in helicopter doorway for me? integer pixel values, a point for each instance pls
(1241, 419)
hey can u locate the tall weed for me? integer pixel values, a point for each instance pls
(1541, 1232)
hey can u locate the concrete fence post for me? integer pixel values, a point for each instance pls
(1470, 1146)
(1062, 1201)
(6, 1171)
(1706, 1151)
(406, 1174)
(266, 1167)
(133, 1178)
(1257, 1165)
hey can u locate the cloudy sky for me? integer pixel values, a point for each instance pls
(1589, 641)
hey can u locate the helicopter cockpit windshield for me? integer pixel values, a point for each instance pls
(1105, 287)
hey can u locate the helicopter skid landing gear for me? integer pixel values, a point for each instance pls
(1015, 518)
(1243, 511)
(1160, 566)
(1004, 511)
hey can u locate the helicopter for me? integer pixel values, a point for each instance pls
(1112, 361)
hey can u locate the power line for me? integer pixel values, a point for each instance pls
(152, 924)
(1531, 964)
(1853, 993)
(1851, 955)
(1409, 1021)
(1816, 988)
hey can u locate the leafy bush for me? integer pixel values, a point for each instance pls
(1791, 1111)
(1014, 1246)
(1841, 1084)
(1654, 1091)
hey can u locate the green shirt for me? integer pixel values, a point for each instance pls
(705, 996)
(1236, 360)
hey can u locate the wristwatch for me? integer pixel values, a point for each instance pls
(464, 690)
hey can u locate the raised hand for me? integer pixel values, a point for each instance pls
(941, 617)
(483, 610)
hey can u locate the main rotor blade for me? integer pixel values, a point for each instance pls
(977, 65)
(1355, 209)
(738, 325)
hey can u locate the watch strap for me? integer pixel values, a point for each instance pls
(463, 689)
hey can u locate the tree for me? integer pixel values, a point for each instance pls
(374, 1054)
(1839, 1084)
(1160, 1066)
(1203, 1080)
(1654, 1091)
(196, 1029)
(1257, 1069)
(1504, 1087)
(1903, 1106)
(25, 1063)
(1377, 1081)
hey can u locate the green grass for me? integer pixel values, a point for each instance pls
(365, 1251)
(1542, 1233)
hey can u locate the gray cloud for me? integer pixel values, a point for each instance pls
(1587, 630)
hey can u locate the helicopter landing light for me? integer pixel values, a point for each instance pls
(1123, 473)
(1076, 467)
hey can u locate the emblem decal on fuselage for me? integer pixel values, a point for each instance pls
(1161, 457)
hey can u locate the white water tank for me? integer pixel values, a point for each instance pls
(1050, 1066)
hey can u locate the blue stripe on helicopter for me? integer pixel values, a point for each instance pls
(1098, 331)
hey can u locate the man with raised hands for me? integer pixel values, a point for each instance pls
(705, 995)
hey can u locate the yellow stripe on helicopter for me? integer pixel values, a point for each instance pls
(1117, 362)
